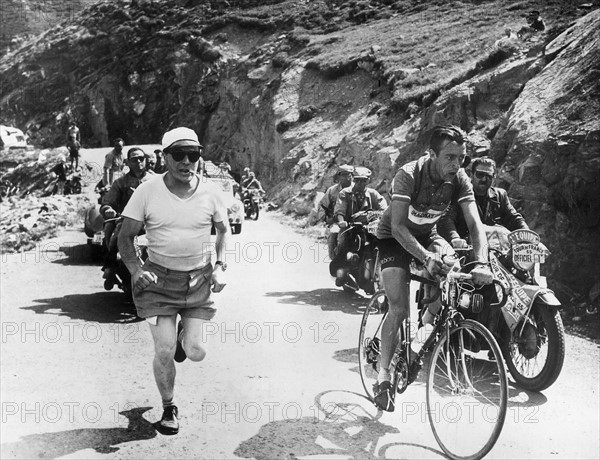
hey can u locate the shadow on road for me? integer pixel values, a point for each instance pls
(518, 397)
(327, 299)
(77, 254)
(102, 440)
(345, 424)
(100, 307)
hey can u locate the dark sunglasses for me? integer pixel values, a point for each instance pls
(179, 155)
(140, 159)
(483, 175)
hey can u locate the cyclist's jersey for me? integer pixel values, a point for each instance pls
(428, 199)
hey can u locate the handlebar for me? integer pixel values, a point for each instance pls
(114, 219)
(459, 276)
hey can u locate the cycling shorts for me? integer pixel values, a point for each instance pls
(393, 254)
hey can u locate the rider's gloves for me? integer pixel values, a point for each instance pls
(343, 224)
(482, 274)
(459, 243)
(110, 213)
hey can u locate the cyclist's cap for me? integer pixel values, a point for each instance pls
(183, 137)
(361, 172)
(346, 169)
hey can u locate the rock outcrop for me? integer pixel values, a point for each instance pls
(293, 89)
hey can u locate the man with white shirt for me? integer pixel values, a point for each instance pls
(177, 210)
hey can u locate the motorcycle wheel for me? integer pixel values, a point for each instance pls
(535, 358)
(255, 210)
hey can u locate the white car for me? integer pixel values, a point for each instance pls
(235, 207)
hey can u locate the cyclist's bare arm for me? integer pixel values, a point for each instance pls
(401, 232)
(476, 230)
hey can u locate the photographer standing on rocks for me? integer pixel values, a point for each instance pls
(178, 210)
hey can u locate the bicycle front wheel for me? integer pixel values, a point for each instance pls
(467, 391)
(369, 341)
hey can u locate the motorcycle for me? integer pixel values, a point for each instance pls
(252, 199)
(527, 323)
(356, 265)
(119, 274)
(73, 184)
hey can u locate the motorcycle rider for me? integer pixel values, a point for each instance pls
(161, 166)
(113, 163)
(116, 198)
(422, 191)
(151, 161)
(253, 183)
(351, 200)
(344, 179)
(492, 203)
(245, 177)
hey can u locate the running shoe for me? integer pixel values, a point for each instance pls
(168, 423)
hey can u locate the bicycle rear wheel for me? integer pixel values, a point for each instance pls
(369, 341)
(466, 392)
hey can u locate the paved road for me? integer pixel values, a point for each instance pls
(280, 380)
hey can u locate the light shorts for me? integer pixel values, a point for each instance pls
(176, 292)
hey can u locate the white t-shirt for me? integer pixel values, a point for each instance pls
(178, 230)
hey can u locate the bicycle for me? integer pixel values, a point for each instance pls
(466, 391)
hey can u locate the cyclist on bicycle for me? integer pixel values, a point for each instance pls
(422, 190)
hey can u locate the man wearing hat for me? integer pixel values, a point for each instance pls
(327, 204)
(357, 197)
(178, 210)
(115, 200)
(351, 200)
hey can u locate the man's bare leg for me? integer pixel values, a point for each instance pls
(165, 341)
(194, 340)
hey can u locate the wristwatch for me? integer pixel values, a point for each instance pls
(222, 264)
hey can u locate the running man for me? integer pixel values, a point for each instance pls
(177, 210)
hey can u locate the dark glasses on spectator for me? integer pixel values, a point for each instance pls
(483, 175)
(140, 159)
(179, 155)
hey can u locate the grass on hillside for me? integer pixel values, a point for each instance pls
(423, 52)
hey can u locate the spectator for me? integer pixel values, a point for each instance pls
(113, 163)
(61, 175)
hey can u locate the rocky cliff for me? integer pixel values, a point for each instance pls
(293, 88)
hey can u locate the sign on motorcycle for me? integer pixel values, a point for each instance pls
(526, 249)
